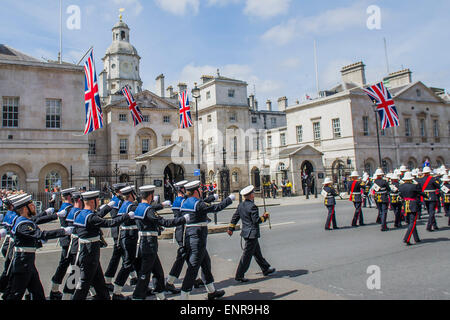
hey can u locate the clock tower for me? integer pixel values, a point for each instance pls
(121, 66)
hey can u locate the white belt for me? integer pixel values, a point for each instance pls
(25, 250)
(89, 240)
(148, 234)
(382, 192)
(201, 224)
(128, 227)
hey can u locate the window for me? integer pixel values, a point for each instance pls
(422, 128)
(281, 167)
(146, 118)
(231, 93)
(299, 134)
(123, 146)
(208, 95)
(53, 180)
(10, 181)
(122, 117)
(233, 117)
(418, 92)
(209, 118)
(316, 127)
(269, 142)
(92, 150)
(283, 139)
(254, 120)
(166, 119)
(235, 177)
(336, 128)
(53, 120)
(366, 126)
(273, 121)
(145, 145)
(10, 114)
(408, 127)
(235, 147)
(210, 145)
(167, 141)
(436, 128)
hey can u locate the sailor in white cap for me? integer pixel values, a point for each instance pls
(88, 226)
(27, 239)
(128, 238)
(410, 194)
(430, 186)
(149, 223)
(382, 189)
(196, 237)
(367, 198)
(248, 212)
(356, 187)
(445, 192)
(395, 201)
(329, 194)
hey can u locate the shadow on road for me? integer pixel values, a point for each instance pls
(255, 294)
(434, 240)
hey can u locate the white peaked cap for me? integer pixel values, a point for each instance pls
(394, 176)
(20, 202)
(192, 185)
(148, 188)
(90, 195)
(354, 174)
(248, 190)
(379, 172)
(127, 190)
(403, 169)
(327, 181)
(181, 183)
(426, 170)
(408, 176)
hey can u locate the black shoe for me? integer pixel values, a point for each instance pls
(198, 283)
(28, 297)
(110, 287)
(336, 228)
(327, 229)
(430, 230)
(133, 281)
(243, 280)
(408, 244)
(150, 292)
(215, 295)
(353, 225)
(269, 272)
(56, 296)
(120, 297)
(436, 228)
(171, 288)
(384, 229)
(362, 224)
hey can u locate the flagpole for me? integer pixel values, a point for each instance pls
(316, 67)
(378, 134)
(60, 31)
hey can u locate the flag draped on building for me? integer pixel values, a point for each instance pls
(387, 111)
(94, 114)
(185, 111)
(132, 105)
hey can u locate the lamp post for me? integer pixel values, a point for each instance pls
(196, 96)
(375, 109)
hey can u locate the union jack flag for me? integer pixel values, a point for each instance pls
(387, 111)
(132, 105)
(94, 114)
(185, 111)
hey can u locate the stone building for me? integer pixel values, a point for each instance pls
(341, 126)
(41, 135)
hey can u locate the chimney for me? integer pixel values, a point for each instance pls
(256, 105)
(160, 86)
(182, 87)
(354, 73)
(269, 105)
(251, 101)
(170, 91)
(205, 78)
(399, 78)
(282, 104)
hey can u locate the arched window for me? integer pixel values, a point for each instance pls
(235, 177)
(281, 167)
(122, 35)
(10, 181)
(52, 180)
(411, 165)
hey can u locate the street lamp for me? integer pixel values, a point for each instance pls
(196, 96)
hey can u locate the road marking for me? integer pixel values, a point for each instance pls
(280, 224)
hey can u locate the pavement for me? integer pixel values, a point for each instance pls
(312, 263)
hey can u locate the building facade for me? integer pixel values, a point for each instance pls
(42, 145)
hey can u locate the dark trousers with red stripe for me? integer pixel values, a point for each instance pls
(331, 218)
(412, 228)
(397, 207)
(358, 214)
(382, 214)
(431, 208)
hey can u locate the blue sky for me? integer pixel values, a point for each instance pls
(268, 43)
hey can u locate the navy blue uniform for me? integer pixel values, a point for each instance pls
(356, 198)
(382, 200)
(330, 203)
(117, 248)
(410, 194)
(446, 201)
(430, 187)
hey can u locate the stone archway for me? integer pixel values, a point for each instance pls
(52, 175)
(307, 175)
(256, 178)
(173, 173)
(13, 176)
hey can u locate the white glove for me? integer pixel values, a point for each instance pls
(131, 214)
(216, 196)
(232, 197)
(111, 204)
(3, 233)
(62, 214)
(102, 207)
(68, 230)
(166, 203)
(156, 199)
(50, 211)
(187, 217)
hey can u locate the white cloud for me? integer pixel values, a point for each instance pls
(222, 3)
(178, 7)
(329, 22)
(290, 63)
(266, 8)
